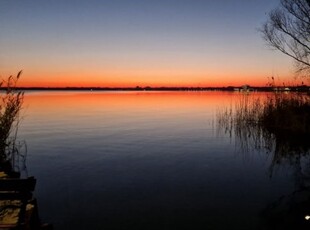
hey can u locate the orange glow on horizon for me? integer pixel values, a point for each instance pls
(174, 81)
(161, 72)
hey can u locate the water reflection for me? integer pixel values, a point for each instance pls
(290, 210)
(146, 160)
(284, 148)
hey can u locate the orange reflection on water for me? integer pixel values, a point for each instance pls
(102, 109)
(63, 100)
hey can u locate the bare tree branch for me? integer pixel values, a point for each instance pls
(288, 30)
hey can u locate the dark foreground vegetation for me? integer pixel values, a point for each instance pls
(11, 101)
(287, 113)
(18, 206)
(278, 125)
(258, 121)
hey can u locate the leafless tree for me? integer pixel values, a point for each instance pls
(288, 30)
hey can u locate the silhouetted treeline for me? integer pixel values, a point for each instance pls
(228, 88)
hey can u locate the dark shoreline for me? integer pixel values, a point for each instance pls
(229, 88)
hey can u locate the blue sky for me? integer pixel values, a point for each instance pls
(132, 42)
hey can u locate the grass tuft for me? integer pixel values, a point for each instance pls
(11, 101)
(278, 123)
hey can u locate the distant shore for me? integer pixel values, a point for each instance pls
(228, 88)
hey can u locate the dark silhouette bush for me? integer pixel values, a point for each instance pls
(11, 101)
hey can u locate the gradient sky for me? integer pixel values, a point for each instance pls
(138, 42)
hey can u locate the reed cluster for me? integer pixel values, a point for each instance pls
(287, 113)
(11, 101)
(276, 113)
(278, 123)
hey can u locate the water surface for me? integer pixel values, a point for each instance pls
(144, 160)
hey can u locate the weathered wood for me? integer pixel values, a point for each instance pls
(20, 190)
(17, 185)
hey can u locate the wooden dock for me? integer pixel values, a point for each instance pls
(18, 207)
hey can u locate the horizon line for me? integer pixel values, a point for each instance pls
(163, 88)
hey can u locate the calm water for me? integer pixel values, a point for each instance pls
(144, 160)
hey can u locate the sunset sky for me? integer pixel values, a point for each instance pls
(120, 43)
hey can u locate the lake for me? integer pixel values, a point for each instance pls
(145, 160)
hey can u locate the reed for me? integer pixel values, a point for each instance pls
(278, 112)
(11, 101)
(278, 123)
(287, 113)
